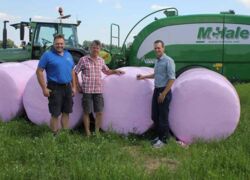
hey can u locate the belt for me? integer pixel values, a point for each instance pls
(52, 83)
(159, 88)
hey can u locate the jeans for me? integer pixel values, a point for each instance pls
(160, 113)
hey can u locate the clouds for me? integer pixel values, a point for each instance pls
(5, 16)
(100, 1)
(116, 4)
(245, 2)
(41, 17)
(156, 7)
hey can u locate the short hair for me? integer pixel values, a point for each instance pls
(96, 43)
(159, 41)
(59, 36)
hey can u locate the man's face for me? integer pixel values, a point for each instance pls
(59, 45)
(95, 50)
(159, 49)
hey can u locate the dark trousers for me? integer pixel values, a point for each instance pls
(160, 114)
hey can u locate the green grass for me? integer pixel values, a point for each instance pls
(32, 152)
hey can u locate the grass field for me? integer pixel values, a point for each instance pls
(32, 152)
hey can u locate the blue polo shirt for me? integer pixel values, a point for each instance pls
(164, 70)
(58, 67)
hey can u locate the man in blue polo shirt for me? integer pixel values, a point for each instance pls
(61, 86)
(164, 75)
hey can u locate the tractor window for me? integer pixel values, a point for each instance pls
(45, 35)
(69, 35)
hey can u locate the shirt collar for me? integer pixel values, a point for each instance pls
(54, 51)
(162, 57)
(89, 57)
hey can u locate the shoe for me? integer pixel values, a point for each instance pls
(182, 144)
(158, 144)
(154, 140)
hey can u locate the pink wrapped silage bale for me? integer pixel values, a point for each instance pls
(36, 105)
(204, 106)
(14, 77)
(31, 63)
(127, 101)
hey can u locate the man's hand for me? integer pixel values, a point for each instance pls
(46, 92)
(161, 98)
(79, 88)
(140, 77)
(119, 72)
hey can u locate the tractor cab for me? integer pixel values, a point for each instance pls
(41, 37)
(42, 32)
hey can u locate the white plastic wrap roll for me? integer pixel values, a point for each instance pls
(14, 77)
(204, 106)
(31, 63)
(127, 101)
(36, 105)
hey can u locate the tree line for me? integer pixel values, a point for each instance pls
(10, 44)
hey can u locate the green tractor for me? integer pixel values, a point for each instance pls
(41, 35)
(219, 42)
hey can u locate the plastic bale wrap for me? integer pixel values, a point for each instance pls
(205, 106)
(14, 77)
(31, 63)
(127, 101)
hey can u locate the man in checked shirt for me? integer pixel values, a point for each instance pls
(91, 67)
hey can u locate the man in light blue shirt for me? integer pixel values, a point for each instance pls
(164, 75)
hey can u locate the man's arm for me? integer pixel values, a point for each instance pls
(78, 68)
(41, 81)
(171, 75)
(78, 86)
(166, 90)
(74, 82)
(108, 71)
(149, 76)
(113, 71)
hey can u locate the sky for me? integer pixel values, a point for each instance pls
(97, 15)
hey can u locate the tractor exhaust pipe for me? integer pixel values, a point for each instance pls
(5, 35)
